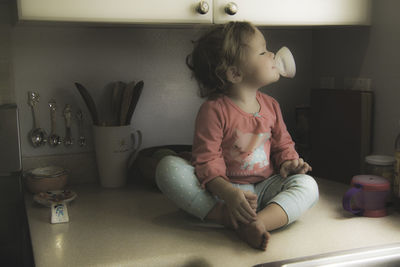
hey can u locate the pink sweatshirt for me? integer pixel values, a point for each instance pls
(240, 147)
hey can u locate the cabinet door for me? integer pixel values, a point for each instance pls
(341, 120)
(115, 11)
(296, 12)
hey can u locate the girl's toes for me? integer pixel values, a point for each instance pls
(264, 241)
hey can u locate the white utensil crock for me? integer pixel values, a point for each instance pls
(115, 148)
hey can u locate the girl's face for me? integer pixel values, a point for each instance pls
(259, 66)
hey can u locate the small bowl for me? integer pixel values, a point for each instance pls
(37, 182)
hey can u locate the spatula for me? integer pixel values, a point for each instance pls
(89, 103)
(116, 102)
(125, 102)
(137, 91)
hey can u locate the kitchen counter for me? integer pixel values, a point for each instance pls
(138, 226)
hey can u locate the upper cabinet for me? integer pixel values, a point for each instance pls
(259, 12)
(294, 12)
(117, 11)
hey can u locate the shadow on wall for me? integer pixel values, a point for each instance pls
(339, 53)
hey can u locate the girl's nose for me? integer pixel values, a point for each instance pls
(272, 54)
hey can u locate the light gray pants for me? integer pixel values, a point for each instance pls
(176, 178)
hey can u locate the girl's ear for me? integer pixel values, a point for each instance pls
(234, 75)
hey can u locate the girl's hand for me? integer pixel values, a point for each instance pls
(294, 166)
(252, 200)
(241, 205)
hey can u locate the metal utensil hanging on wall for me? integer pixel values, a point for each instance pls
(37, 136)
(68, 141)
(54, 139)
(82, 138)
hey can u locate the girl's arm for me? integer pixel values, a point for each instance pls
(282, 145)
(219, 187)
(237, 200)
(210, 166)
(207, 155)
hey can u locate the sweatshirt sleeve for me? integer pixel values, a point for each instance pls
(207, 155)
(282, 145)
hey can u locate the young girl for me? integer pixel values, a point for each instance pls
(245, 172)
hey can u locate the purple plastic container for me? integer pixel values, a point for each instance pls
(370, 193)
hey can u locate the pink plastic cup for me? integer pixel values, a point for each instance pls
(370, 193)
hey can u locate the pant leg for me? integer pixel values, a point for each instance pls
(176, 178)
(295, 194)
(245, 187)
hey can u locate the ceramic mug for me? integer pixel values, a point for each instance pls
(115, 148)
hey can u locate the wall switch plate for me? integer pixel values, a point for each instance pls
(59, 213)
(359, 84)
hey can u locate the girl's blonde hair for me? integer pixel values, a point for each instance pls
(219, 48)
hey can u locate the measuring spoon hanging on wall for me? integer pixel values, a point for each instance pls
(68, 134)
(37, 136)
(82, 139)
(54, 139)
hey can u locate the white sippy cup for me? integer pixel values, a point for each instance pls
(284, 61)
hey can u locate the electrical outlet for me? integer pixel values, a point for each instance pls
(360, 84)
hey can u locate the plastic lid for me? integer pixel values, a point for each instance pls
(284, 61)
(381, 160)
(371, 182)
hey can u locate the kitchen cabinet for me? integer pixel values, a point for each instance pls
(116, 11)
(260, 12)
(341, 120)
(296, 12)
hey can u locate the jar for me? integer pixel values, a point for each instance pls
(380, 165)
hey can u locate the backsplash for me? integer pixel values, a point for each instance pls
(49, 59)
(81, 167)
(371, 52)
(6, 89)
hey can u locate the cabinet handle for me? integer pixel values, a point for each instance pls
(203, 7)
(231, 8)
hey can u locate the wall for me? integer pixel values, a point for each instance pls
(6, 87)
(367, 52)
(14, 245)
(49, 59)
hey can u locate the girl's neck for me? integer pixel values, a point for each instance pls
(244, 95)
(246, 99)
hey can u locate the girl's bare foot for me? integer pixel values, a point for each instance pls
(254, 234)
(225, 218)
(220, 215)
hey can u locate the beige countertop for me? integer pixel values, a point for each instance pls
(138, 226)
